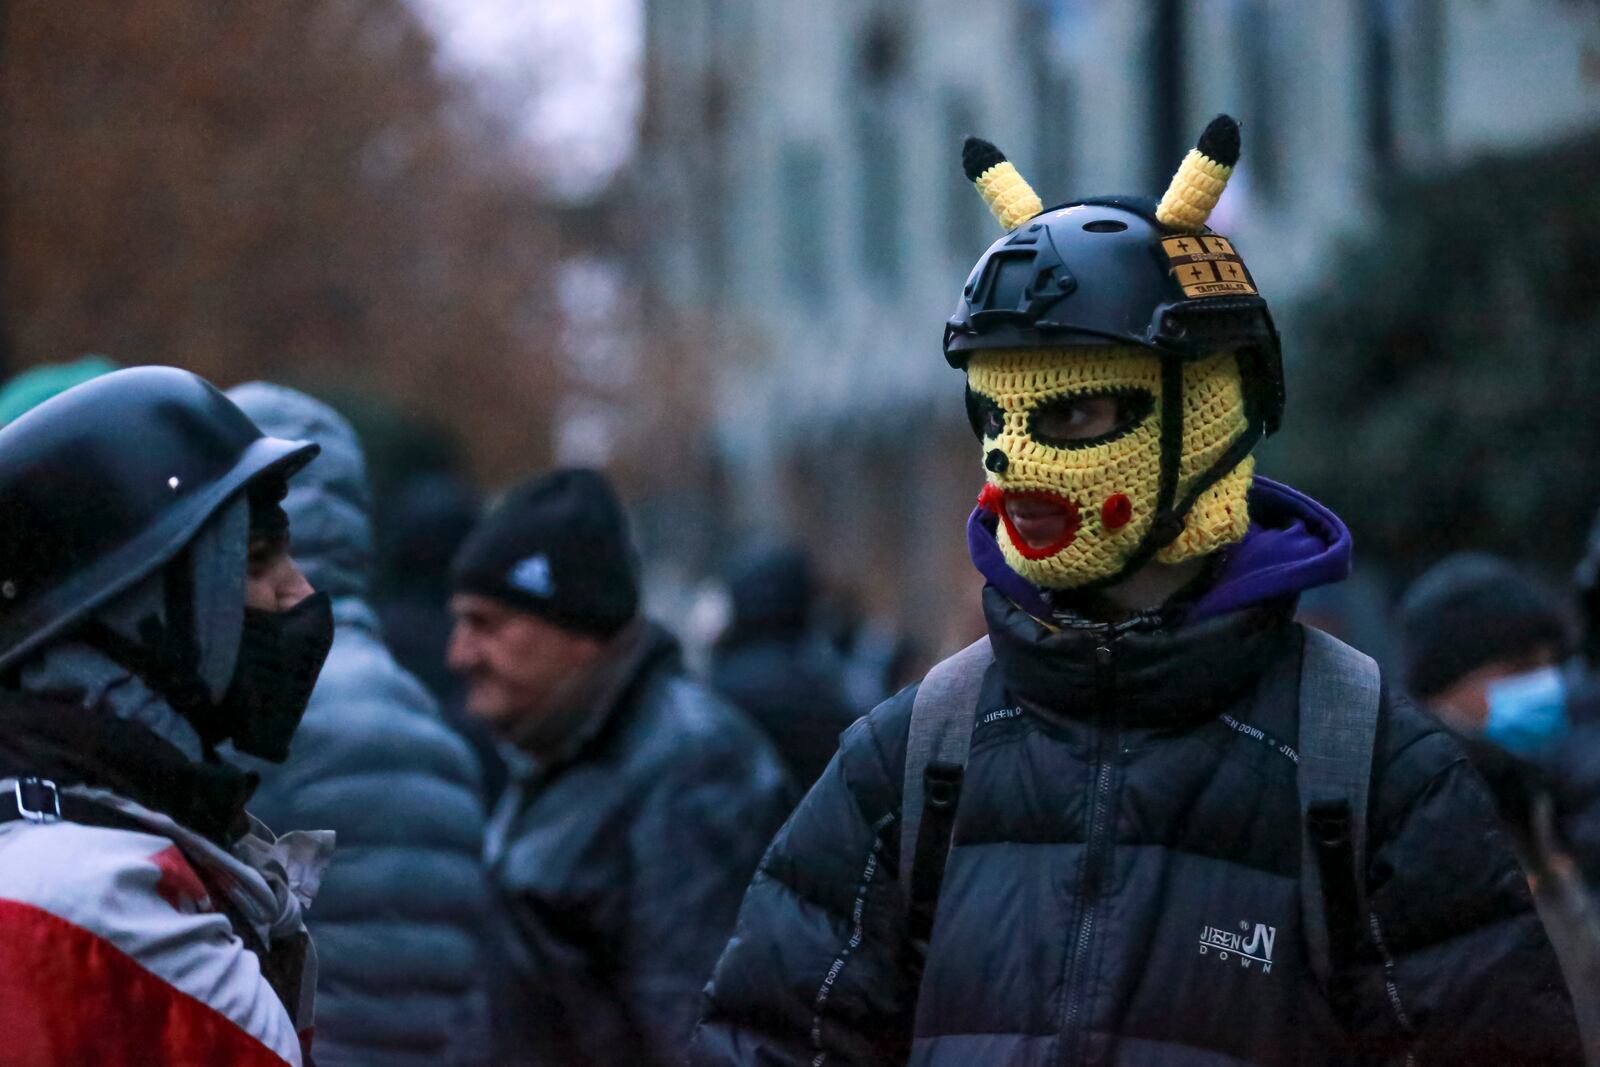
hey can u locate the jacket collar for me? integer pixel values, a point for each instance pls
(588, 708)
(1155, 675)
(73, 745)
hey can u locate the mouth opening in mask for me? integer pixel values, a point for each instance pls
(1039, 523)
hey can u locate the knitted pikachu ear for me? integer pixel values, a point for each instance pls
(1201, 177)
(1012, 200)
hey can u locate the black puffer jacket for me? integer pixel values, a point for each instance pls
(620, 864)
(1115, 818)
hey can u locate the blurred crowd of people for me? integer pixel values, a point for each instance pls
(290, 774)
(545, 825)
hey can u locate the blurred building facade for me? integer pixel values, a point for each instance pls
(800, 169)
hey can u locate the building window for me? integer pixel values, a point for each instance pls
(1261, 77)
(1168, 131)
(965, 217)
(804, 220)
(880, 73)
(1378, 61)
(1052, 103)
(1053, 132)
(879, 231)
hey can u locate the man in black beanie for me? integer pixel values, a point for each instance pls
(639, 803)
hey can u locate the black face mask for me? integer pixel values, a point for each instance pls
(280, 656)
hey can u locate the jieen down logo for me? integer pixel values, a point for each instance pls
(1248, 946)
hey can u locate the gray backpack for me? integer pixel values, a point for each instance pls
(1339, 697)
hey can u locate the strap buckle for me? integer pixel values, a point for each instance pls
(38, 800)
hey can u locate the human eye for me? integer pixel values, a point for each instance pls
(1077, 421)
(985, 416)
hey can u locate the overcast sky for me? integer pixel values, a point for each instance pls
(566, 70)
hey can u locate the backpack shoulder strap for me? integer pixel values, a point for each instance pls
(1339, 702)
(940, 736)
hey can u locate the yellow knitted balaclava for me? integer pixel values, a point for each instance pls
(1105, 490)
(1077, 511)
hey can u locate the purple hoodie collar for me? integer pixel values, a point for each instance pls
(1293, 544)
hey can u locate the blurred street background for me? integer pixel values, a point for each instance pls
(710, 246)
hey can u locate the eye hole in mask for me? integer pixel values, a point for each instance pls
(1083, 420)
(985, 416)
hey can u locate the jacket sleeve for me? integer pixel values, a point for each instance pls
(818, 961)
(1455, 966)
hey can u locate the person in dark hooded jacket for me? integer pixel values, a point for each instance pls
(772, 663)
(639, 801)
(1482, 642)
(1120, 859)
(399, 921)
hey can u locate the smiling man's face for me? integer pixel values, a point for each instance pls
(1072, 455)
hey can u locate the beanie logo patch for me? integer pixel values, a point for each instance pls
(533, 576)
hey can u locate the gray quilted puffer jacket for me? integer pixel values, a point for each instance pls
(397, 923)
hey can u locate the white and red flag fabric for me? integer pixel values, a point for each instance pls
(116, 947)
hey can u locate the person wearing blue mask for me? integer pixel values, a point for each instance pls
(1484, 643)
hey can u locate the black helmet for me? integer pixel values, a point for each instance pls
(1125, 271)
(105, 483)
(1104, 271)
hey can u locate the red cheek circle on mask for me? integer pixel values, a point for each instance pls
(1053, 521)
(1116, 512)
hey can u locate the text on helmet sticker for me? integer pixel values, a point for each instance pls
(1207, 265)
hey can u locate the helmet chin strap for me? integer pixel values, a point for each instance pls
(1171, 514)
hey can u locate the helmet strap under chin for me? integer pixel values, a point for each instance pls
(1167, 525)
(1171, 513)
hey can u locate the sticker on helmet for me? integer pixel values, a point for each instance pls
(1207, 266)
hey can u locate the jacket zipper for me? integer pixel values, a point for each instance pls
(1074, 1036)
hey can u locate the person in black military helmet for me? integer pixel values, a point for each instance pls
(149, 613)
(1149, 818)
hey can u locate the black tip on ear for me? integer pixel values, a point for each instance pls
(1221, 140)
(977, 156)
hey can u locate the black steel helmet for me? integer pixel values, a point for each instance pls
(105, 483)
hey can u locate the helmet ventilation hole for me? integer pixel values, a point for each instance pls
(1105, 226)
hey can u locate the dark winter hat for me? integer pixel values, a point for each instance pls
(1472, 609)
(772, 589)
(556, 547)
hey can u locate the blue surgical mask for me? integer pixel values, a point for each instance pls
(1527, 712)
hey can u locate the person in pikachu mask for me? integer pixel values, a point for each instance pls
(1149, 819)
